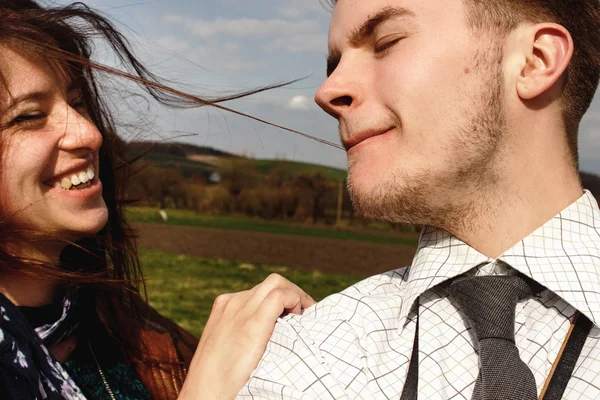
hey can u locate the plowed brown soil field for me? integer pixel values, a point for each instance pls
(326, 255)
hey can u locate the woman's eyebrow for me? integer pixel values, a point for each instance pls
(34, 95)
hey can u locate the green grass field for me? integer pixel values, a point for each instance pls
(183, 288)
(190, 218)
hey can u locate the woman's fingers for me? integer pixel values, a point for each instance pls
(278, 301)
(266, 301)
(221, 301)
(275, 282)
(307, 301)
(236, 334)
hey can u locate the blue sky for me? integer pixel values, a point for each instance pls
(212, 47)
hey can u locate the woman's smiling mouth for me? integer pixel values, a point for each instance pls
(75, 180)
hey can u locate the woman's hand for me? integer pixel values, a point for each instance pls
(236, 335)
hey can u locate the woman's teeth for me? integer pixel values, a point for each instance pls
(80, 180)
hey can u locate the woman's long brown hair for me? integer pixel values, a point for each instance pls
(105, 267)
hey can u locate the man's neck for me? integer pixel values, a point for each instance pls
(536, 182)
(514, 219)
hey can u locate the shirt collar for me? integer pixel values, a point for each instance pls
(562, 255)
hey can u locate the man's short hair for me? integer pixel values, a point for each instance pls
(580, 17)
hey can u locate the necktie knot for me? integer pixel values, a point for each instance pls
(489, 303)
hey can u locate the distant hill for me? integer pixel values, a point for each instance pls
(178, 156)
(295, 168)
(175, 149)
(191, 160)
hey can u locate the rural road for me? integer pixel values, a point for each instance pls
(326, 255)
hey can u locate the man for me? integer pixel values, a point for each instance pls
(461, 115)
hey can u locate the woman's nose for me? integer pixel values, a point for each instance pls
(79, 132)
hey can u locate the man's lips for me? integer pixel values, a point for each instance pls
(356, 138)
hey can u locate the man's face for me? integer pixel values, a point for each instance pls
(419, 103)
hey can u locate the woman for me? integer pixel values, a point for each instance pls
(72, 322)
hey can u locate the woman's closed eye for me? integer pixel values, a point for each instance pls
(28, 117)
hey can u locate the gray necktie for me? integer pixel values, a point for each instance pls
(489, 303)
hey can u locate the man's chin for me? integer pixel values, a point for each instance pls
(370, 206)
(392, 203)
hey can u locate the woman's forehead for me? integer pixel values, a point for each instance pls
(25, 71)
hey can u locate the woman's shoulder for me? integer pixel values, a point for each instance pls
(164, 353)
(160, 334)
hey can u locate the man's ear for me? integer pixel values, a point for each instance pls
(549, 51)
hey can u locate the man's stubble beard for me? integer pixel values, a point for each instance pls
(448, 200)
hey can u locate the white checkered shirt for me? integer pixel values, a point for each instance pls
(357, 344)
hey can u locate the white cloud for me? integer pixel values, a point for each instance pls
(238, 65)
(215, 58)
(299, 103)
(173, 44)
(176, 53)
(289, 12)
(174, 19)
(243, 27)
(302, 43)
(231, 46)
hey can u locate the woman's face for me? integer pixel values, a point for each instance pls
(48, 153)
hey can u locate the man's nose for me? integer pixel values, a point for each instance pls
(340, 92)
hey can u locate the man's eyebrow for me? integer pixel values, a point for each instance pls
(366, 29)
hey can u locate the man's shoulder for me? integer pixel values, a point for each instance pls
(320, 354)
(373, 303)
(374, 293)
